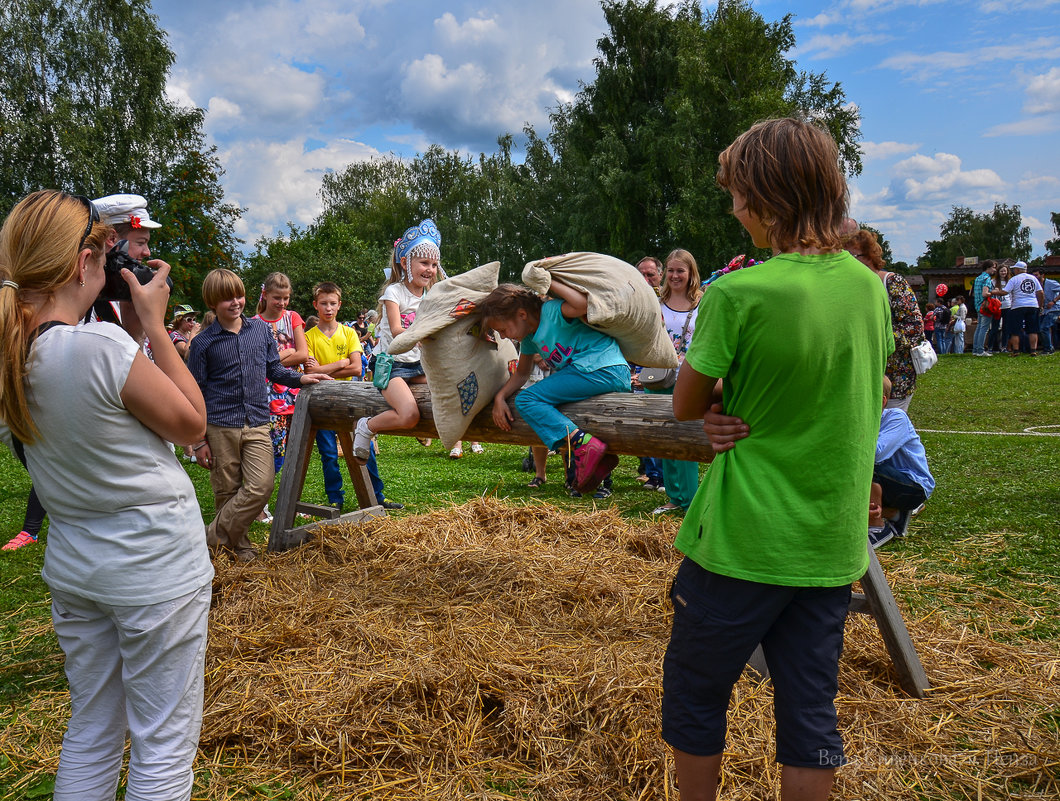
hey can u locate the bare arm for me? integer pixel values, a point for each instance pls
(502, 414)
(162, 394)
(299, 353)
(393, 317)
(575, 303)
(694, 393)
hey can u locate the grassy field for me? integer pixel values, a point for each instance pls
(990, 427)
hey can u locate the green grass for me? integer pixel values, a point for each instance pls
(992, 528)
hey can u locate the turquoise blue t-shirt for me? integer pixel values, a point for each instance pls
(560, 342)
(801, 343)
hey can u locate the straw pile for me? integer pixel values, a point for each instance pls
(493, 651)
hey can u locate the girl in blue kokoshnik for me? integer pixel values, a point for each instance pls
(414, 267)
(585, 363)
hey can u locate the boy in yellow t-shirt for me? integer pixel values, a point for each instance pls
(334, 350)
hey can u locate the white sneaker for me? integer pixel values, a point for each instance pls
(362, 440)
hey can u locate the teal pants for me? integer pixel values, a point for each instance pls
(680, 478)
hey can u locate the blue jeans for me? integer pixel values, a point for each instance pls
(537, 404)
(1045, 329)
(651, 466)
(373, 474)
(958, 341)
(982, 326)
(943, 340)
(327, 444)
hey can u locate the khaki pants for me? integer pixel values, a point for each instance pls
(242, 478)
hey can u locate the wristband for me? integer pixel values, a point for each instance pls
(201, 445)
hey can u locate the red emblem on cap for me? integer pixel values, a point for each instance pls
(134, 222)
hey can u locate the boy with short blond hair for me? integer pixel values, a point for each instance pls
(230, 360)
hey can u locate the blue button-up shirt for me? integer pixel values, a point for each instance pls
(231, 370)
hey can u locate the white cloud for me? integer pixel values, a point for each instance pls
(474, 30)
(825, 45)
(822, 20)
(1043, 93)
(873, 151)
(940, 178)
(927, 66)
(281, 180)
(1031, 126)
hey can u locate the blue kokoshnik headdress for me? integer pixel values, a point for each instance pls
(421, 240)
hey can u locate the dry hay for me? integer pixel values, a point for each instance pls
(492, 651)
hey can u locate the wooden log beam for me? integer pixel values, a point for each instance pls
(632, 424)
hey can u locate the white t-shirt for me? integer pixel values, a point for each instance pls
(1023, 289)
(407, 305)
(675, 324)
(125, 526)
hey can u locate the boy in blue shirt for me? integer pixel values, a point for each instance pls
(901, 479)
(230, 361)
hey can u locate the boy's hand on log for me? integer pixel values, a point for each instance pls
(722, 430)
(502, 415)
(315, 378)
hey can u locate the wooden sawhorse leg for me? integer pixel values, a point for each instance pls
(878, 602)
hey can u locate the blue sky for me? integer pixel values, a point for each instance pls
(959, 101)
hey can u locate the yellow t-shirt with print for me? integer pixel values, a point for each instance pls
(339, 345)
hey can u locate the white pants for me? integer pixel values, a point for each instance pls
(135, 669)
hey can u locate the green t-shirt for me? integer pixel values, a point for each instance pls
(802, 343)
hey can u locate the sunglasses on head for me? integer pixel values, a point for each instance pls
(93, 218)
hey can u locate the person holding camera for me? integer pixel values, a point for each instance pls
(126, 564)
(129, 219)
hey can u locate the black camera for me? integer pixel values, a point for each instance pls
(118, 258)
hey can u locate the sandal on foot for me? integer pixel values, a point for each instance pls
(536, 482)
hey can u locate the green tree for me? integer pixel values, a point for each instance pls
(885, 246)
(999, 234)
(83, 109)
(638, 148)
(1052, 246)
(328, 250)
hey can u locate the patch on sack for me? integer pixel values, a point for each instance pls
(463, 308)
(468, 389)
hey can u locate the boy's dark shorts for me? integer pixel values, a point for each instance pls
(899, 492)
(718, 622)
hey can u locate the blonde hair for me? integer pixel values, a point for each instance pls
(220, 285)
(273, 281)
(692, 289)
(40, 245)
(788, 173)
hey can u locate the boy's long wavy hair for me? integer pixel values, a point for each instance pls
(39, 247)
(788, 173)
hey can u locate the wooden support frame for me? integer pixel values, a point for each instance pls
(877, 601)
(637, 425)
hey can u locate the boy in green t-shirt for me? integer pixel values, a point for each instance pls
(777, 531)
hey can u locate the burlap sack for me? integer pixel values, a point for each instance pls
(621, 304)
(464, 371)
